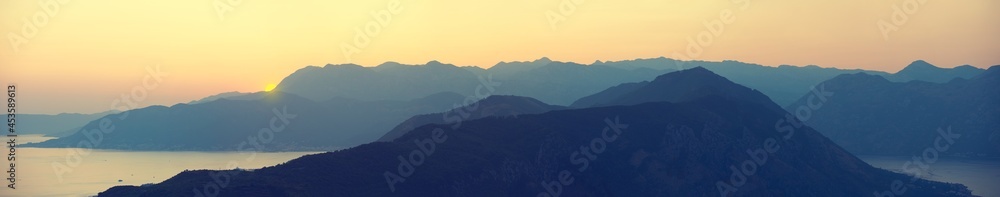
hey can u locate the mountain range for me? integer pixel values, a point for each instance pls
(379, 93)
(707, 145)
(224, 124)
(871, 115)
(55, 125)
(922, 71)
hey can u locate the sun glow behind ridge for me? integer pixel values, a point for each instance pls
(270, 87)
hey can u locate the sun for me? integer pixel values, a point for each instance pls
(270, 87)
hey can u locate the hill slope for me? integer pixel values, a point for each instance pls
(223, 124)
(871, 115)
(503, 106)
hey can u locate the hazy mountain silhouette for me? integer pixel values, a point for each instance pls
(659, 149)
(55, 125)
(228, 95)
(680, 86)
(223, 124)
(389, 81)
(508, 69)
(543, 79)
(608, 95)
(502, 106)
(783, 84)
(923, 71)
(561, 83)
(874, 116)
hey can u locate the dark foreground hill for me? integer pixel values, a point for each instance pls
(666, 150)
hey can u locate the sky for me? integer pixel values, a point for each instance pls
(81, 56)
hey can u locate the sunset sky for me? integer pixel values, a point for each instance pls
(87, 53)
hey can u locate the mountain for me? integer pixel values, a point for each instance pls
(227, 95)
(389, 81)
(871, 115)
(708, 146)
(680, 86)
(543, 79)
(562, 83)
(559, 83)
(292, 123)
(508, 69)
(608, 94)
(54, 125)
(923, 71)
(784, 84)
(497, 105)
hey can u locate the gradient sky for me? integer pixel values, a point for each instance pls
(90, 52)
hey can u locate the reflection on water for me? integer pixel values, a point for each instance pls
(103, 169)
(980, 175)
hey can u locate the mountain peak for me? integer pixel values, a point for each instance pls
(492, 99)
(350, 65)
(682, 86)
(434, 62)
(923, 71)
(699, 73)
(919, 65)
(700, 69)
(993, 71)
(390, 63)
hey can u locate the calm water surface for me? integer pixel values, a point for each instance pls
(982, 176)
(102, 169)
